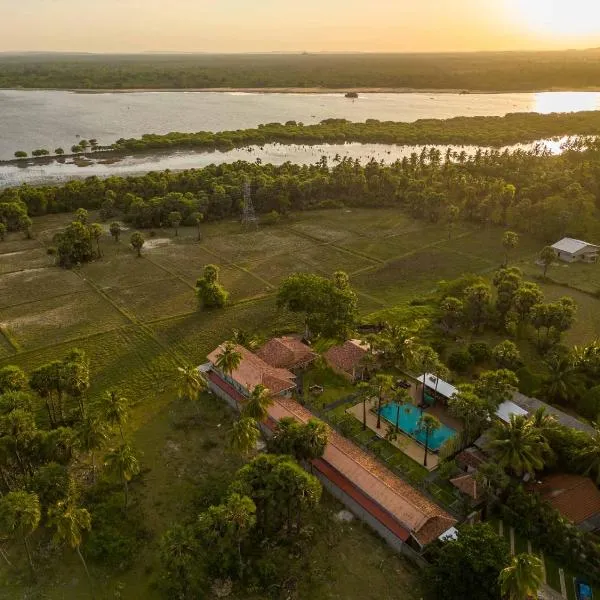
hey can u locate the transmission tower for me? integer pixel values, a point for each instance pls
(249, 218)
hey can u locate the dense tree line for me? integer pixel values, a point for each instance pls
(477, 131)
(50, 483)
(487, 71)
(533, 192)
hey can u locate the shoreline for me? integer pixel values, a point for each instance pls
(301, 90)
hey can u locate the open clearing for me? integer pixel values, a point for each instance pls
(137, 319)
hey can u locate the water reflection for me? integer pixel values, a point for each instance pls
(549, 102)
(56, 171)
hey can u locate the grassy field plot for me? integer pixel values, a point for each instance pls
(415, 274)
(585, 277)
(30, 285)
(55, 320)
(24, 260)
(487, 244)
(194, 335)
(243, 246)
(156, 299)
(121, 268)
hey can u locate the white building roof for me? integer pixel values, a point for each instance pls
(449, 535)
(435, 383)
(508, 408)
(572, 246)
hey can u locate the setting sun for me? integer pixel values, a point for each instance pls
(560, 18)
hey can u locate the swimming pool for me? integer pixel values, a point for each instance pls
(409, 422)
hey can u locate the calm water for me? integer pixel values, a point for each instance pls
(56, 171)
(48, 119)
(409, 422)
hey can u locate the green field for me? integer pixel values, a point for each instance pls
(137, 319)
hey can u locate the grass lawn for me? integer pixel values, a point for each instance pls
(137, 319)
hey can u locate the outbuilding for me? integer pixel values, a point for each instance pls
(572, 250)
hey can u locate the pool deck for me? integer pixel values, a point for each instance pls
(404, 442)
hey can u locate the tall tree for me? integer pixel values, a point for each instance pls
(137, 241)
(96, 232)
(518, 446)
(522, 577)
(175, 221)
(257, 406)
(20, 515)
(114, 409)
(428, 424)
(547, 257)
(69, 523)
(510, 240)
(477, 302)
(123, 464)
(92, 434)
(115, 230)
(190, 383)
(228, 360)
(243, 436)
(12, 379)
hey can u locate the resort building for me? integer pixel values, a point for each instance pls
(403, 516)
(575, 497)
(287, 353)
(251, 371)
(436, 388)
(572, 250)
(348, 359)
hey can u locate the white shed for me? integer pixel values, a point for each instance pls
(572, 250)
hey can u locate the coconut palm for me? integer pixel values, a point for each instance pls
(365, 392)
(20, 515)
(115, 410)
(589, 455)
(92, 434)
(522, 578)
(380, 386)
(518, 446)
(427, 424)
(561, 380)
(191, 383)
(228, 360)
(258, 404)
(426, 360)
(69, 523)
(243, 436)
(123, 464)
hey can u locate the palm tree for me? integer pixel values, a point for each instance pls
(92, 435)
(365, 392)
(191, 383)
(243, 436)
(20, 515)
(560, 383)
(589, 455)
(427, 424)
(518, 446)
(522, 578)
(380, 386)
(115, 410)
(258, 404)
(69, 523)
(425, 360)
(228, 360)
(122, 463)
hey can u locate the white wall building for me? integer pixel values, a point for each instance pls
(572, 250)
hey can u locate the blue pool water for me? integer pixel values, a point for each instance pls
(409, 422)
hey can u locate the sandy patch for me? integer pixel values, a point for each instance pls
(156, 243)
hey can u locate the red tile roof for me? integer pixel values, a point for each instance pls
(286, 353)
(471, 457)
(346, 357)
(423, 518)
(577, 498)
(467, 484)
(253, 371)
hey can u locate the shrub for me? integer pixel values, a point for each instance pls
(588, 404)
(480, 352)
(460, 361)
(529, 383)
(117, 535)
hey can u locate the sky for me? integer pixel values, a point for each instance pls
(297, 25)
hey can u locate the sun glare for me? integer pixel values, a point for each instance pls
(560, 18)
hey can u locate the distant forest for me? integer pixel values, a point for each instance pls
(490, 71)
